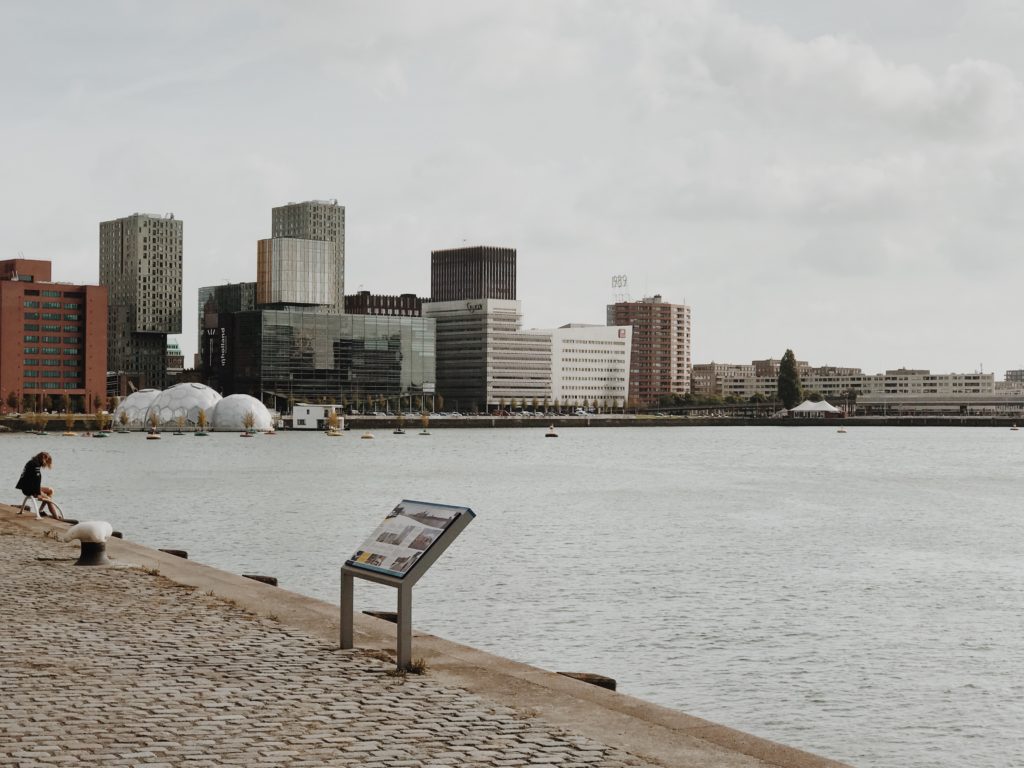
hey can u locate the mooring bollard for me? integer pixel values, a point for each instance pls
(391, 616)
(93, 536)
(271, 580)
(176, 552)
(589, 677)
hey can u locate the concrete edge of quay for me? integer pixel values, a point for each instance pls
(646, 730)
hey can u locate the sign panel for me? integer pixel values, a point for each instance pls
(405, 536)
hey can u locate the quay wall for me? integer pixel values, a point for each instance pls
(658, 734)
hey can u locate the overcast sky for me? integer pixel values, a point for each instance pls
(845, 179)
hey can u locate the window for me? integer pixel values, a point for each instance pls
(51, 316)
(31, 374)
(31, 338)
(31, 361)
(72, 317)
(47, 328)
(31, 303)
(49, 339)
(31, 350)
(72, 305)
(31, 315)
(51, 305)
(31, 327)
(55, 294)
(71, 329)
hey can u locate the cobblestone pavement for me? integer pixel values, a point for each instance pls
(119, 667)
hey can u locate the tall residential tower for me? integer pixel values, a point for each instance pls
(660, 360)
(140, 265)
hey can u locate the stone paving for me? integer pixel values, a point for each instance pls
(115, 666)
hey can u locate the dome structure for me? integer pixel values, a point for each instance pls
(229, 415)
(186, 400)
(136, 405)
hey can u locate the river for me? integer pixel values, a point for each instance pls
(858, 595)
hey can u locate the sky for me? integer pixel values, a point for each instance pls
(841, 179)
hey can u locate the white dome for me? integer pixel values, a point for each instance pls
(186, 400)
(136, 405)
(229, 415)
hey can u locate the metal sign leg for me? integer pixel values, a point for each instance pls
(405, 626)
(347, 585)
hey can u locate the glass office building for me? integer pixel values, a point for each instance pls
(300, 355)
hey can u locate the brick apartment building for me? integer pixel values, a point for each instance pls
(660, 360)
(53, 338)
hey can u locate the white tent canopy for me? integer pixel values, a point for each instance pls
(808, 407)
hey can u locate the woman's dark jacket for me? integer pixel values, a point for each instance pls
(31, 477)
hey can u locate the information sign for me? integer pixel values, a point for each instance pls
(398, 553)
(406, 534)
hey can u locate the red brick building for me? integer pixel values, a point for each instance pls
(660, 360)
(53, 338)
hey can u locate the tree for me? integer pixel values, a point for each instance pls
(13, 400)
(249, 420)
(789, 380)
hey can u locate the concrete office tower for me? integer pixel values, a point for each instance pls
(483, 357)
(53, 338)
(324, 221)
(140, 265)
(478, 272)
(660, 362)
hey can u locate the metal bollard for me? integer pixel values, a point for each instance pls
(271, 580)
(93, 536)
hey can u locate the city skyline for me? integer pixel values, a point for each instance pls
(836, 180)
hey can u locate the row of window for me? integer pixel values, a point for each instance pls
(53, 385)
(52, 351)
(31, 338)
(31, 374)
(57, 294)
(32, 304)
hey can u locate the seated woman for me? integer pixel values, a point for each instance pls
(31, 481)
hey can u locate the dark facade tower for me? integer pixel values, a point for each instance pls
(477, 272)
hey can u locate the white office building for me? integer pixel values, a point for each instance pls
(590, 364)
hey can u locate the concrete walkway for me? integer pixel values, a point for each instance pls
(157, 661)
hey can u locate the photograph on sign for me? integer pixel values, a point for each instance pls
(406, 533)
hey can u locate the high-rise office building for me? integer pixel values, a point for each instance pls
(660, 360)
(141, 267)
(484, 357)
(53, 338)
(477, 272)
(305, 272)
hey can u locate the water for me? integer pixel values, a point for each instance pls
(860, 595)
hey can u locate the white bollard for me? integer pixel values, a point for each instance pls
(93, 535)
